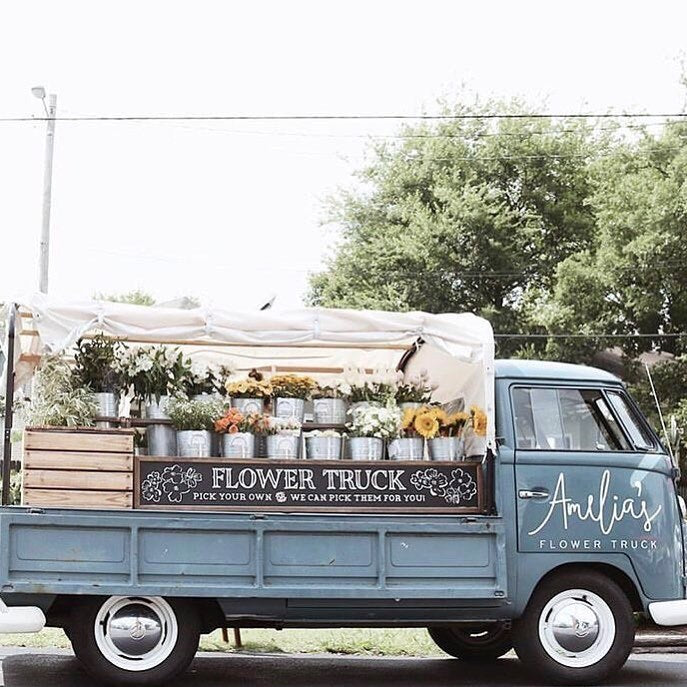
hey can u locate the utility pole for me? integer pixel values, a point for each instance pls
(50, 111)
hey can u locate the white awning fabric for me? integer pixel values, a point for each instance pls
(456, 349)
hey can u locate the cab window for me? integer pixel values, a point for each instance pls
(565, 419)
(639, 434)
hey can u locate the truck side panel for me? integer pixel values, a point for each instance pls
(72, 552)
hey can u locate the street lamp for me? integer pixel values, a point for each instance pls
(50, 112)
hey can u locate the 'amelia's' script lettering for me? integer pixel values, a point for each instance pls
(604, 509)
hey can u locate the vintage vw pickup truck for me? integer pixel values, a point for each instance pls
(578, 527)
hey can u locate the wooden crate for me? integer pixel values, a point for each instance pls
(78, 468)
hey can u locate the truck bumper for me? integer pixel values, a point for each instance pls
(20, 619)
(669, 612)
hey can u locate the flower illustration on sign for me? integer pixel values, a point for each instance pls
(174, 482)
(151, 487)
(461, 487)
(280, 496)
(430, 479)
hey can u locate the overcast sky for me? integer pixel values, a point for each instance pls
(231, 212)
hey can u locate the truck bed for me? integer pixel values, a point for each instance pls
(59, 551)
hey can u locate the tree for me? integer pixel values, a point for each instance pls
(135, 297)
(466, 214)
(631, 280)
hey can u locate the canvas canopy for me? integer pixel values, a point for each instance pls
(457, 350)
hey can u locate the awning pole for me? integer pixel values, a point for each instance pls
(9, 405)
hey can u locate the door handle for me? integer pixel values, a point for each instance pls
(533, 494)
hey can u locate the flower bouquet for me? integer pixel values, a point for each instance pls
(290, 393)
(283, 437)
(202, 380)
(447, 440)
(249, 394)
(194, 422)
(369, 427)
(329, 402)
(417, 424)
(323, 445)
(413, 391)
(238, 432)
(97, 369)
(367, 389)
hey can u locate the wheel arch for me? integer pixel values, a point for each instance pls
(59, 614)
(629, 586)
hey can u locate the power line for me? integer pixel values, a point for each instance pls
(342, 117)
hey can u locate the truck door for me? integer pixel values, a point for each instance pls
(592, 481)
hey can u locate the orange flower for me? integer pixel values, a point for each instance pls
(233, 429)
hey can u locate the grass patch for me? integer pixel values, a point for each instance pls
(361, 642)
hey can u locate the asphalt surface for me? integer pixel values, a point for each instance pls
(26, 668)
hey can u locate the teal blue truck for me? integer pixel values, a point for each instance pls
(580, 528)
(584, 534)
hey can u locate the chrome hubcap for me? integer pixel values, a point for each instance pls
(136, 633)
(135, 629)
(577, 628)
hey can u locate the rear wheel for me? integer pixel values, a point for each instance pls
(135, 640)
(577, 629)
(475, 642)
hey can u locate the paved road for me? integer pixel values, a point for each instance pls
(59, 669)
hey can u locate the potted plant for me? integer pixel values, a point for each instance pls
(290, 393)
(249, 395)
(329, 403)
(96, 367)
(413, 391)
(57, 401)
(376, 388)
(155, 375)
(283, 437)
(369, 427)
(238, 432)
(417, 424)
(201, 381)
(323, 445)
(194, 422)
(446, 441)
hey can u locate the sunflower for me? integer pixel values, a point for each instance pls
(408, 418)
(479, 421)
(439, 414)
(426, 425)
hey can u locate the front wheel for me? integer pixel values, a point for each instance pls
(577, 629)
(135, 640)
(474, 642)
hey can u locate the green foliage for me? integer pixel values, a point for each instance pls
(546, 227)
(463, 215)
(57, 401)
(186, 415)
(96, 364)
(135, 297)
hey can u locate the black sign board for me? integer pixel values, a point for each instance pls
(308, 485)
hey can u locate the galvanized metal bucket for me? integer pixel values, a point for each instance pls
(329, 411)
(323, 448)
(365, 448)
(283, 446)
(108, 406)
(407, 448)
(239, 445)
(446, 448)
(157, 410)
(290, 408)
(194, 443)
(162, 440)
(249, 405)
